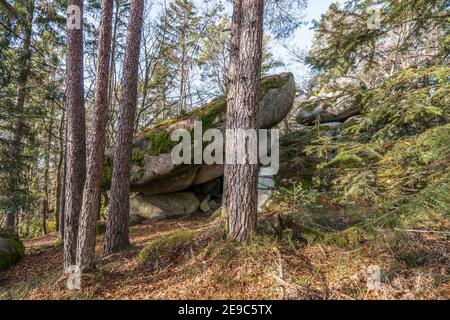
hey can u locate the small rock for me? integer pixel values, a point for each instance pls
(213, 205)
(204, 206)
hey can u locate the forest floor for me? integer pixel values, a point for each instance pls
(267, 268)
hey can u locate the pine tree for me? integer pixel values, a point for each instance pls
(118, 213)
(241, 179)
(14, 161)
(76, 140)
(91, 193)
(180, 30)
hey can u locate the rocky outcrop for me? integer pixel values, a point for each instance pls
(153, 171)
(339, 100)
(11, 249)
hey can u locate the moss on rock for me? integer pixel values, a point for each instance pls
(156, 140)
(12, 249)
(160, 142)
(273, 82)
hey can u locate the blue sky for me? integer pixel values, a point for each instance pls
(302, 38)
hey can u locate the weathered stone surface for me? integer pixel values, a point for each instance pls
(337, 101)
(204, 206)
(12, 249)
(180, 180)
(164, 205)
(153, 171)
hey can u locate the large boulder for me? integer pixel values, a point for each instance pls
(164, 205)
(153, 171)
(12, 249)
(339, 100)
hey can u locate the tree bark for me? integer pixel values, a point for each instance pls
(59, 172)
(118, 214)
(91, 194)
(76, 140)
(24, 65)
(232, 76)
(241, 179)
(112, 71)
(48, 151)
(62, 197)
(44, 215)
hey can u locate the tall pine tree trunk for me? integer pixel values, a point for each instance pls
(91, 195)
(24, 71)
(232, 76)
(76, 140)
(241, 179)
(118, 214)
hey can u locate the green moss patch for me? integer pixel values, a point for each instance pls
(13, 252)
(160, 142)
(273, 82)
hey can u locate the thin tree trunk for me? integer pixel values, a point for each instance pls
(112, 70)
(183, 75)
(44, 215)
(59, 169)
(91, 194)
(118, 214)
(24, 64)
(241, 179)
(48, 151)
(62, 197)
(76, 140)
